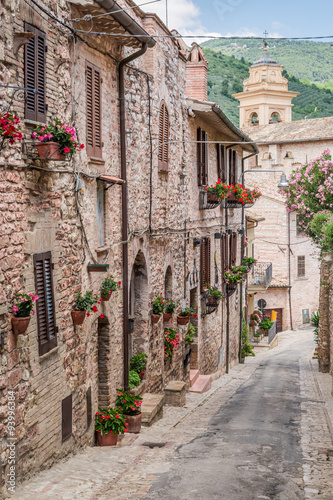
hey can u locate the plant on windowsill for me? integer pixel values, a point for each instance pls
(84, 305)
(170, 307)
(183, 317)
(138, 364)
(22, 308)
(109, 286)
(9, 128)
(109, 423)
(57, 141)
(158, 305)
(130, 405)
(171, 343)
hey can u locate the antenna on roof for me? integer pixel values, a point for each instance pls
(166, 13)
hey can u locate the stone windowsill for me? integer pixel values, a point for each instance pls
(48, 354)
(301, 278)
(102, 249)
(99, 161)
(32, 122)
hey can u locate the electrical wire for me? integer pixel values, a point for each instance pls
(88, 17)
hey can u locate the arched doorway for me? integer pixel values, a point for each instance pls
(138, 306)
(104, 363)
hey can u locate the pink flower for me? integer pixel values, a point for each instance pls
(40, 138)
(66, 150)
(15, 309)
(34, 135)
(34, 312)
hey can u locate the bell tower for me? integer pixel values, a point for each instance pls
(265, 98)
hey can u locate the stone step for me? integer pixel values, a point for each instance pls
(152, 408)
(194, 374)
(202, 384)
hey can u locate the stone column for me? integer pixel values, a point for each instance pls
(326, 292)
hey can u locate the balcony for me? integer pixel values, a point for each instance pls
(208, 201)
(260, 276)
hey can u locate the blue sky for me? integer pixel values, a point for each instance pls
(248, 17)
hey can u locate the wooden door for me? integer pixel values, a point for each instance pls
(279, 317)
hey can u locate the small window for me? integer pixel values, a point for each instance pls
(232, 161)
(301, 266)
(289, 154)
(202, 157)
(254, 119)
(101, 212)
(35, 74)
(306, 316)
(46, 318)
(275, 118)
(163, 138)
(205, 263)
(221, 162)
(67, 417)
(267, 156)
(93, 111)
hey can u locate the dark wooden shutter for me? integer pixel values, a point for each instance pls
(232, 161)
(221, 162)
(163, 138)
(202, 157)
(301, 265)
(93, 111)
(224, 253)
(35, 75)
(46, 320)
(89, 406)
(233, 249)
(67, 417)
(205, 263)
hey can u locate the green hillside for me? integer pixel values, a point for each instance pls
(227, 73)
(304, 59)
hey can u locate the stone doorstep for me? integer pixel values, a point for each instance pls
(152, 408)
(175, 393)
(202, 384)
(194, 374)
(141, 389)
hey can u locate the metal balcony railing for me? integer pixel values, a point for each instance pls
(261, 274)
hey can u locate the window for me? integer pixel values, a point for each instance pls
(205, 263)
(35, 74)
(101, 212)
(275, 118)
(46, 320)
(202, 157)
(67, 417)
(93, 111)
(221, 162)
(301, 266)
(254, 119)
(233, 249)
(232, 157)
(163, 138)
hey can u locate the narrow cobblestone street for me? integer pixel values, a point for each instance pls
(262, 432)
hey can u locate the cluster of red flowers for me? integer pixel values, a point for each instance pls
(171, 342)
(241, 194)
(9, 127)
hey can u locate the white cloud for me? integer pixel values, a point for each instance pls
(182, 14)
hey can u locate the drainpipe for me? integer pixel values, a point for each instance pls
(242, 255)
(289, 275)
(124, 207)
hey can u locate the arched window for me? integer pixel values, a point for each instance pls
(163, 138)
(168, 284)
(254, 119)
(275, 118)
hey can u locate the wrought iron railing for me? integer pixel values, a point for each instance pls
(272, 332)
(261, 274)
(208, 201)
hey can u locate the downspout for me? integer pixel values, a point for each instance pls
(228, 304)
(289, 275)
(242, 256)
(124, 208)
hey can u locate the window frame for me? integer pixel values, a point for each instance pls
(163, 137)
(222, 154)
(301, 269)
(205, 263)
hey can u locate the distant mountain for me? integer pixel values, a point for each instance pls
(304, 59)
(227, 73)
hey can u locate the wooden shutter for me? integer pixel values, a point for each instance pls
(35, 75)
(205, 263)
(232, 160)
(89, 406)
(67, 417)
(224, 254)
(301, 265)
(93, 111)
(202, 157)
(163, 138)
(233, 249)
(221, 162)
(46, 320)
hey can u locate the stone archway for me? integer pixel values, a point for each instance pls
(139, 306)
(104, 363)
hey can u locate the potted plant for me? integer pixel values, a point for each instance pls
(84, 305)
(138, 364)
(246, 347)
(109, 286)
(265, 324)
(171, 342)
(134, 379)
(183, 317)
(23, 305)
(249, 261)
(222, 189)
(170, 307)
(214, 295)
(109, 423)
(212, 194)
(158, 308)
(9, 128)
(57, 141)
(130, 407)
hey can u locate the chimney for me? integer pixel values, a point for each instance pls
(196, 74)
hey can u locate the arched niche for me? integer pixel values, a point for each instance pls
(139, 305)
(104, 362)
(168, 284)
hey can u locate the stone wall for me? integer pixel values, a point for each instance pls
(325, 343)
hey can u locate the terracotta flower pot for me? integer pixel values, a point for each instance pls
(182, 320)
(213, 198)
(212, 301)
(167, 317)
(107, 439)
(106, 297)
(134, 423)
(50, 151)
(20, 325)
(78, 317)
(233, 201)
(155, 318)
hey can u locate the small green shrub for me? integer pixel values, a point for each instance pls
(134, 379)
(138, 363)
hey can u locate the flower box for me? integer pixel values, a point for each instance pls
(50, 151)
(230, 289)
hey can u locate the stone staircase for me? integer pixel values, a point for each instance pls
(199, 383)
(152, 408)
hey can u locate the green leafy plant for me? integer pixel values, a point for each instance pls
(134, 379)
(170, 306)
(233, 278)
(57, 131)
(171, 342)
(190, 335)
(248, 261)
(138, 363)
(110, 420)
(315, 323)
(240, 270)
(158, 305)
(187, 311)
(246, 347)
(24, 304)
(86, 302)
(265, 324)
(214, 291)
(109, 285)
(128, 403)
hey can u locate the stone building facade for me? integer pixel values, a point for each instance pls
(65, 219)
